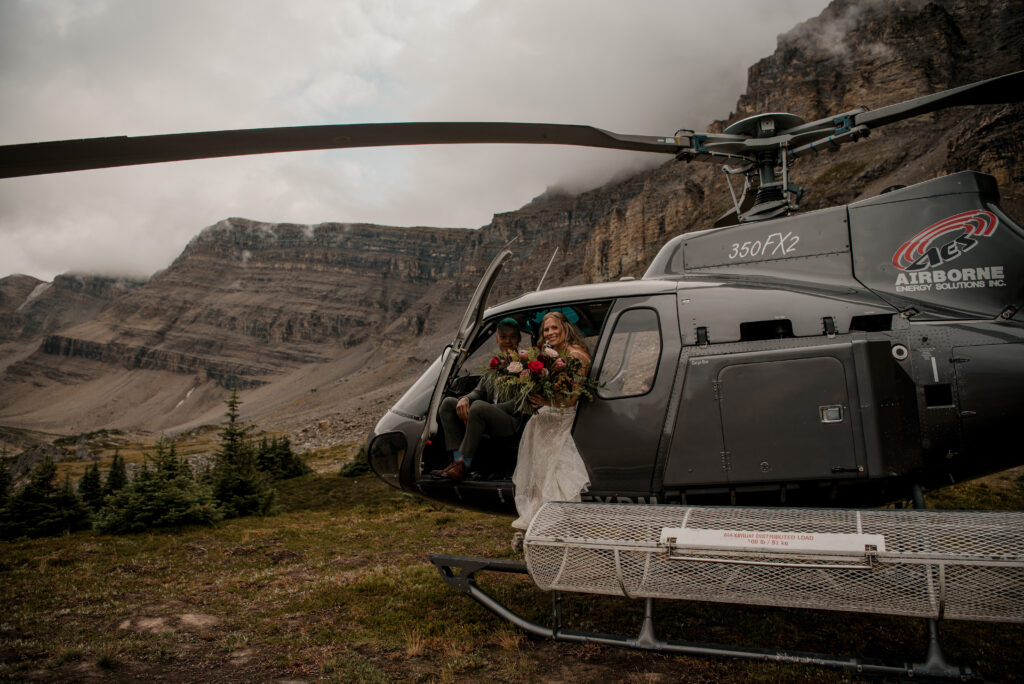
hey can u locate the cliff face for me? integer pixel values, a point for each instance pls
(354, 310)
(31, 309)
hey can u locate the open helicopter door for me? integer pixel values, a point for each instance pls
(452, 359)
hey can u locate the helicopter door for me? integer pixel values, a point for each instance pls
(454, 356)
(779, 418)
(618, 433)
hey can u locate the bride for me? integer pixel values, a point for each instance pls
(549, 467)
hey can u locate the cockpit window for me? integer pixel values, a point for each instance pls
(631, 362)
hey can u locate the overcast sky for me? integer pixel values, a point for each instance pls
(71, 68)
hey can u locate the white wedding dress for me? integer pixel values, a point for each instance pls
(549, 467)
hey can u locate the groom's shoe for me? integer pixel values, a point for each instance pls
(444, 471)
(457, 471)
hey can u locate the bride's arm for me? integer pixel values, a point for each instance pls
(581, 355)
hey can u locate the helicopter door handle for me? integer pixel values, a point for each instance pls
(830, 414)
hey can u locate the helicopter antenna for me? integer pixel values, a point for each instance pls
(545, 275)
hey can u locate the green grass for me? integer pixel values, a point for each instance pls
(338, 587)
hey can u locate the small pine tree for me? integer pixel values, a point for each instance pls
(90, 487)
(40, 508)
(234, 435)
(239, 485)
(288, 463)
(117, 476)
(276, 458)
(70, 512)
(265, 456)
(5, 479)
(163, 493)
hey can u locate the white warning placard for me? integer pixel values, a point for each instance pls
(768, 541)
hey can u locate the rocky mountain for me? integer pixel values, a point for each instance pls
(31, 309)
(322, 326)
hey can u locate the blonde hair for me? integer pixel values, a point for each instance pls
(572, 335)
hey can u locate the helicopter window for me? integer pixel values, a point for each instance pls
(631, 360)
(766, 330)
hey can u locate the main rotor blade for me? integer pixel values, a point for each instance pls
(998, 90)
(94, 153)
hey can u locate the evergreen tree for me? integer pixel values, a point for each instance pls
(238, 483)
(266, 457)
(163, 493)
(288, 463)
(40, 508)
(117, 476)
(70, 513)
(234, 435)
(5, 478)
(276, 458)
(90, 487)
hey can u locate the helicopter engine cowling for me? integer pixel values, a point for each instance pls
(938, 250)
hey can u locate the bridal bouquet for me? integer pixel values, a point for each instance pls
(558, 377)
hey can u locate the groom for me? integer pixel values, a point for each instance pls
(467, 419)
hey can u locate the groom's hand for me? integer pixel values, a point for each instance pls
(462, 409)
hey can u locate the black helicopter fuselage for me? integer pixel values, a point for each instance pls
(830, 358)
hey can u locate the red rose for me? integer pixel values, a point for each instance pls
(535, 366)
(495, 363)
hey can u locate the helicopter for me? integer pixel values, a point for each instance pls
(837, 357)
(834, 358)
(850, 356)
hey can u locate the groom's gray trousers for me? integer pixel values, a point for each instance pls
(485, 418)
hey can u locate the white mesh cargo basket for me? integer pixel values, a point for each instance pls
(966, 565)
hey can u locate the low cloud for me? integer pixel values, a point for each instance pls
(135, 67)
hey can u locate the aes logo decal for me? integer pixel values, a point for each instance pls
(933, 247)
(944, 241)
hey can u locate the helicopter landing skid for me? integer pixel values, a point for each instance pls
(459, 572)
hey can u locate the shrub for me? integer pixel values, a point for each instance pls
(359, 465)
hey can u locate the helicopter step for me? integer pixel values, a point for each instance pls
(931, 564)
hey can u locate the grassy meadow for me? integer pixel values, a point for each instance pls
(337, 587)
